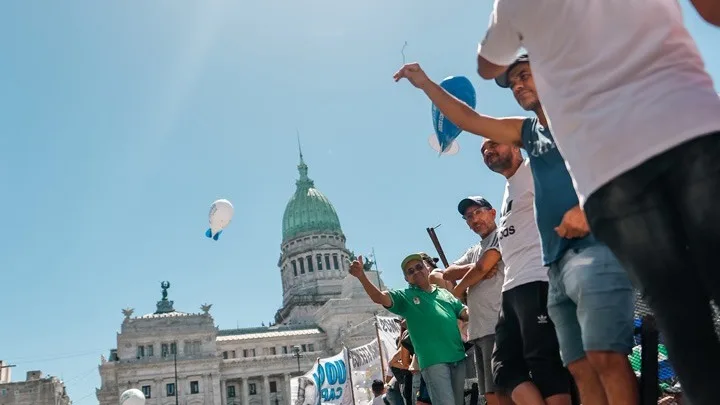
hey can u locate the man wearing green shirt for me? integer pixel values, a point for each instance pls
(431, 314)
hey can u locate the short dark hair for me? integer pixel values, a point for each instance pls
(431, 262)
(377, 386)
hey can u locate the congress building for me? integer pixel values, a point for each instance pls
(179, 356)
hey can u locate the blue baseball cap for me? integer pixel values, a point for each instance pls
(473, 200)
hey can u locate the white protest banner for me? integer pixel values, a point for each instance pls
(303, 390)
(388, 331)
(366, 367)
(325, 384)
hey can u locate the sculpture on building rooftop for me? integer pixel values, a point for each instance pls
(164, 285)
(367, 262)
(128, 312)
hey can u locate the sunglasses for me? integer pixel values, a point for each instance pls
(410, 271)
(474, 212)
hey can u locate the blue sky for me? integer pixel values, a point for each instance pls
(122, 121)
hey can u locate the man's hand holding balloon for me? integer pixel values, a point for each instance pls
(453, 103)
(415, 75)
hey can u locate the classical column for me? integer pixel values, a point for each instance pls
(160, 389)
(223, 392)
(288, 391)
(266, 390)
(245, 393)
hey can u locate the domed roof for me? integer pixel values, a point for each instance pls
(308, 210)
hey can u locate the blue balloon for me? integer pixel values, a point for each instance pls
(445, 130)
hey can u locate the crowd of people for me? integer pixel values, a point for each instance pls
(617, 193)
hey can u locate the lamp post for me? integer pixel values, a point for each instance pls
(174, 353)
(296, 351)
(177, 392)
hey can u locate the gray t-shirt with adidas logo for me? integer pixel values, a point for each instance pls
(485, 297)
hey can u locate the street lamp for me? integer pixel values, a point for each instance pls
(165, 353)
(177, 392)
(296, 350)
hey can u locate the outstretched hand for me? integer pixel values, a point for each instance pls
(357, 268)
(414, 73)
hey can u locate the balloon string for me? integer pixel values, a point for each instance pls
(402, 51)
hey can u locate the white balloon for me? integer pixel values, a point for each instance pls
(221, 213)
(132, 396)
(452, 150)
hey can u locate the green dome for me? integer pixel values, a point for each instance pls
(308, 210)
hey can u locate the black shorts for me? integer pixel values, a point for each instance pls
(526, 346)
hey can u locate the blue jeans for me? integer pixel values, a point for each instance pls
(416, 380)
(591, 301)
(446, 383)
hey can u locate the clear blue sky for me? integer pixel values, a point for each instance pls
(122, 121)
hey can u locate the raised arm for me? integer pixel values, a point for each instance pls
(501, 43)
(379, 297)
(500, 130)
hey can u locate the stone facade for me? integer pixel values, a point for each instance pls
(35, 390)
(246, 366)
(323, 309)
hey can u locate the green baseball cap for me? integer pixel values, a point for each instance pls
(421, 256)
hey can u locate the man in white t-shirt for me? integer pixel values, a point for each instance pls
(526, 359)
(637, 119)
(378, 390)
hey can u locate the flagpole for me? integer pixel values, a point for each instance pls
(376, 269)
(382, 358)
(349, 368)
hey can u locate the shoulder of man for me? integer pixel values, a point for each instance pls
(402, 294)
(529, 128)
(491, 241)
(467, 257)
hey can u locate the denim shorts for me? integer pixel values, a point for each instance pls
(591, 301)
